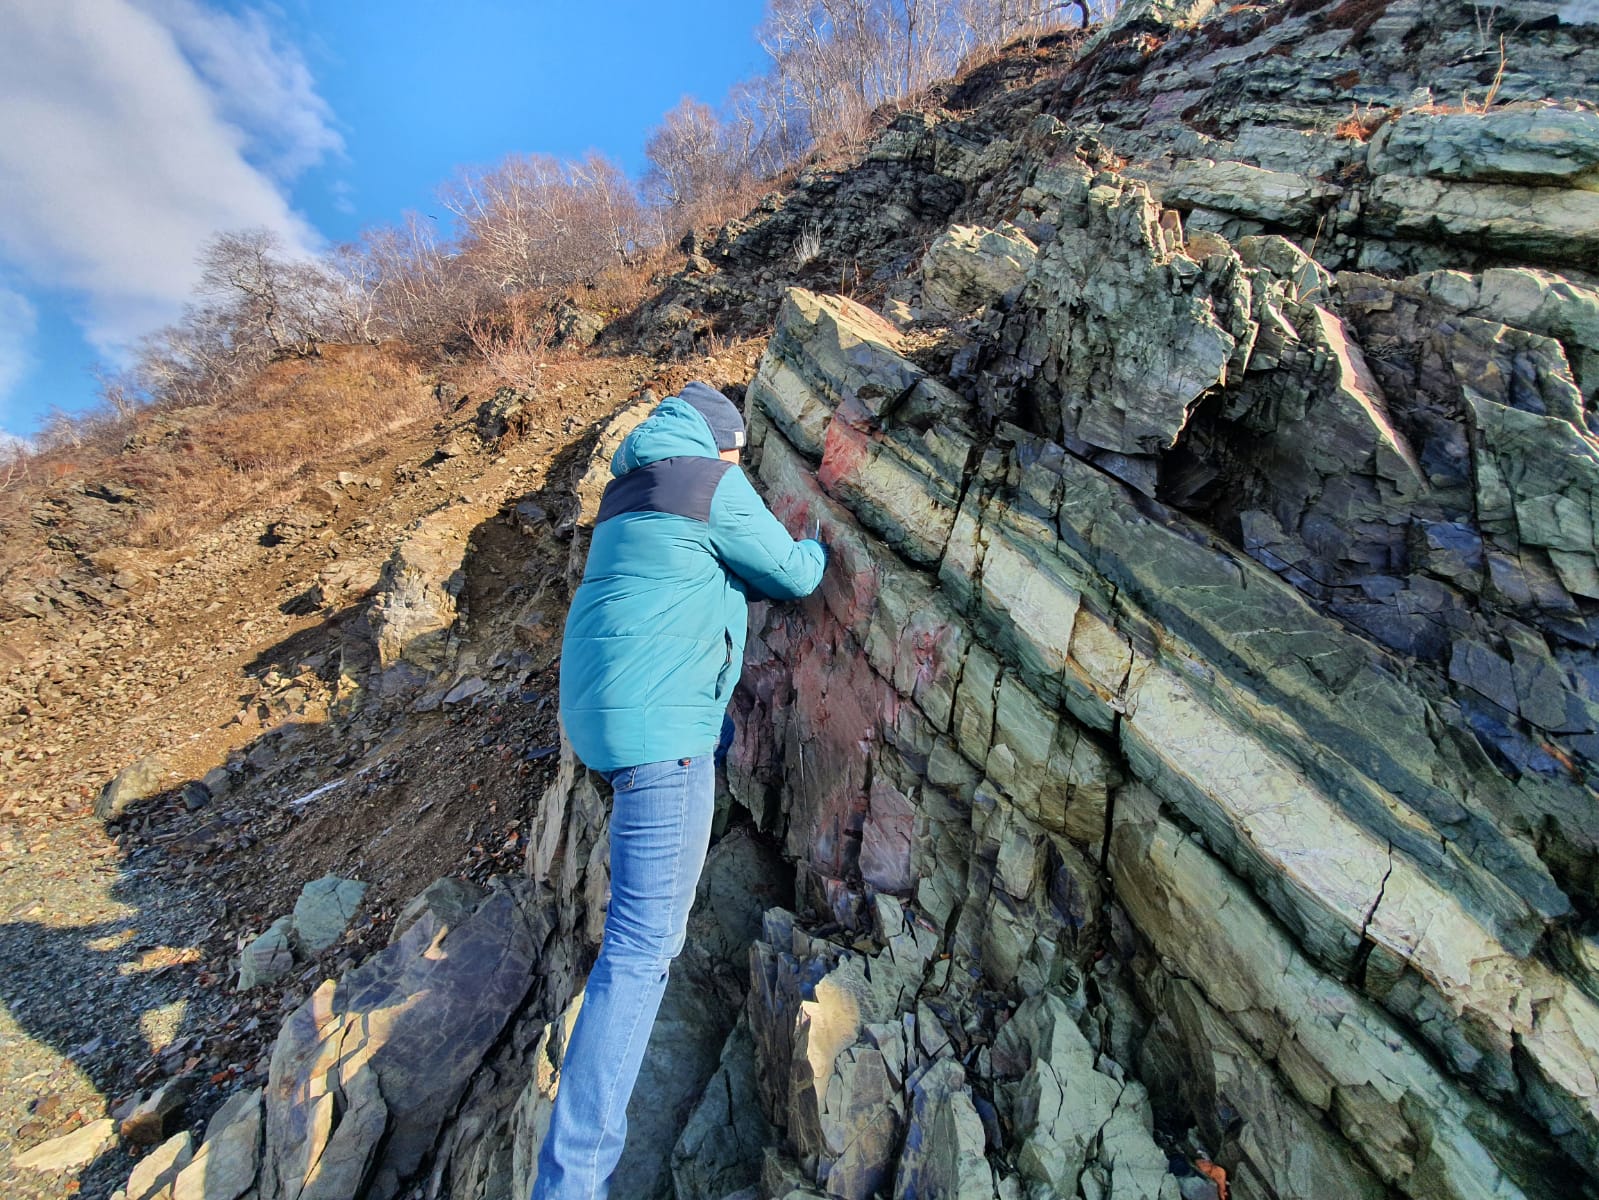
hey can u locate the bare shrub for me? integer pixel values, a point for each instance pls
(693, 156)
(536, 222)
(514, 340)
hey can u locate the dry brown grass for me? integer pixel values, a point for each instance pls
(1361, 123)
(515, 342)
(296, 413)
(195, 468)
(621, 289)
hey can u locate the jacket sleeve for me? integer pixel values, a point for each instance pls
(755, 547)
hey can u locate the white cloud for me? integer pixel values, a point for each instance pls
(131, 131)
(261, 86)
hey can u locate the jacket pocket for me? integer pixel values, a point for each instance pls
(727, 664)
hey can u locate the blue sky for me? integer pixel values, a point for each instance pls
(132, 130)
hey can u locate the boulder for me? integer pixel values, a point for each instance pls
(576, 326)
(504, 417)
(154, 1174)
(365, 1072)
(968, 267)
(323, 912)
(227, 1164)
(143, 779)
(418, 599)
(269, 956)
(723, 1142)
(71, 1150)
(943, 1153)
(1118, 331)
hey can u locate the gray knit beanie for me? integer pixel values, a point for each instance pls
(727, 426)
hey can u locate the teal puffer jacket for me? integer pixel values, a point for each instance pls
(655, 635)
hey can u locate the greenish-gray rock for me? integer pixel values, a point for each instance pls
(154, 1175)
(227, 1164)
(323, 912)
(968, 267)
(1531, 144)
(943, 1153)
(366, 1070)
(725, 1137)
(269, 956)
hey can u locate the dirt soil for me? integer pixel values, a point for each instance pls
(119, 943)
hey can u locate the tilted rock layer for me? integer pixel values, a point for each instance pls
(1342, 905)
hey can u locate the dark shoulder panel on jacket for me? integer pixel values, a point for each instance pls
(682, 486)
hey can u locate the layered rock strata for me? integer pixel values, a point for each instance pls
(1333, 898)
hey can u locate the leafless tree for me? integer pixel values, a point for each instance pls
(118, 391)
(420, 290)
(798, 36)
(290, 304)
(245, 269)
(692, 157)
(530, 222)
(61, 431)
(836, 61)
(16, 462)
(765, 133)
(356, 310)
(200, 357)
(995, 22)
(610, 204)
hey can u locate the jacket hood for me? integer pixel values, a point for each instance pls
(673, 430)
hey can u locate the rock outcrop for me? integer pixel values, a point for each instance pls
(1076, 675)
(1187, 769)
(419, 599)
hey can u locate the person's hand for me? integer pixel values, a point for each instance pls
(826, 553)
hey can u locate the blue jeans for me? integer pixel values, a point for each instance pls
(660, 832)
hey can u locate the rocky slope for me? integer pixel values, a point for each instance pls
(1184, 780)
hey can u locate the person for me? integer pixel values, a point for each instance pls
(653, 648)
